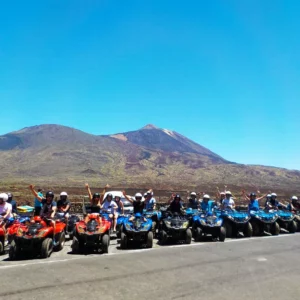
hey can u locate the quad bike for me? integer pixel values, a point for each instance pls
(137, 228)
(190, 213)
(208, 223)
(93, 233)
(175, 227)
(236, 223)
(264, 222)
(70, 224)
(38, 238)
(286, 221)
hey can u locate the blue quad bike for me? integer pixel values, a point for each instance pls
(138, 229)
(264, 222)
(236, 223)
(286, 221)
(190, 213)
(174, 226)
(155, 216)
(208, 223)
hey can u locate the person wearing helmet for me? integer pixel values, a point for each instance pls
(193, 202)
(12, 202)
(206, 204)
(111, 207)
(150, 202)
(120, 205)
(220, 195)
(294, 206)
(253, 200)
(175, 204)
(268, 198)
(96, 199)
(273, 203)
(5, 209)
(228, 202)
(63, 205)
(49, 206)
(137, 203)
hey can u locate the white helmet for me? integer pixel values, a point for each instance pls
(145, 195)
(222, 193)
(193, 194)
(63, 194)
(294, 198)
(4, 197)
(138, 195)
(228, 193)
(269, 196)
(273, 195)
(206, 196)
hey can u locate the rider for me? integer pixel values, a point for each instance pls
(96, 199)
(12, 202)
(175, 204)
(273, 203)
(295, 205)
(111, 207)
(37, 203)
(5, 209)
(193, 202)
(138, 204)
(63, 206)
(228, 202)
(150, 202)
(253, 201)
(120, 205)
(206, 204)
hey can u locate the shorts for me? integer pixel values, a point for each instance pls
(60, 214)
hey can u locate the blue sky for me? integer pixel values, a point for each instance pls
(224, 73)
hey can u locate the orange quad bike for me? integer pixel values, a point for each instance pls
(91, 234)
(39, 238)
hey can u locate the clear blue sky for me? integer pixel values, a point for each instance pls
(224, 73)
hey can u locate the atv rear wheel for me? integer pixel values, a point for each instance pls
(76, 246)
(14, 251)
(248, 230)
(1, 248)
(105, 243)
(275, 230)
(154, 228)
(149, 242)
(198, 234)
(292, 227)
(222, 234)
(228, 229)
(124, 241)
(163, 237)
(188, 236)
(47, 248)
(61, 242)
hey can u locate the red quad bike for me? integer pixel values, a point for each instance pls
(37, 239)
(93, 234)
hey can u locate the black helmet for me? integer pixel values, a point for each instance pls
(96, 195)
(177, 196)
(252, 195)
(109, 195)
(10, 196)
(50, 194)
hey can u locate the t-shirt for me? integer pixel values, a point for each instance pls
(207, 206)
(63, 204)
(4, 208)
(175, 206)
(193, 203)
(150, 204)
(273, 203)
(138, 207)
(47, 208)
(228, 203)
(109, 206)
(38, 203)
(253, 205)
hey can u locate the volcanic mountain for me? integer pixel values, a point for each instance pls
(150, 156)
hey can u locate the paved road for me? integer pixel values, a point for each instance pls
(257, 268)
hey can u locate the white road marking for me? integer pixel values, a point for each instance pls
(261, 259)
(124, 252)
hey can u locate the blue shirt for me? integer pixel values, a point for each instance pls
(150, 204)
(207, 206)
(253, 205)
(37, 203)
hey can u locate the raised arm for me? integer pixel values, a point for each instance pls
(103, 193)
(127, 197)
(89, 191)
(171, 198)
(245, 195)
(34, 192)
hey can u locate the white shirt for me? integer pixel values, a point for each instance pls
(228, 203)
(4, 208)
(109, 206)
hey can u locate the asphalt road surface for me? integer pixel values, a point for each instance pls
(256, 268)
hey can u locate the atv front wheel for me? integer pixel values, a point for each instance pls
(188, 236)
(105, 243)
(61, 242)
(275, 230)
(228, 229)
(248, 230)
(163, 237)
(292, 227)
(1, 248)
(124, 241)
(222, 234)
(154, 228)
(75, 246)
(14, 251)
(47, 248)
(198, 234)
(149, 243)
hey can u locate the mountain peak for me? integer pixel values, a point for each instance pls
(150, 126)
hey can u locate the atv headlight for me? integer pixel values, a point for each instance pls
(185, 224)
(80, 229)
(202, 222)
(41, 233)
(168, 223)
(219, 223)
(127, 226)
